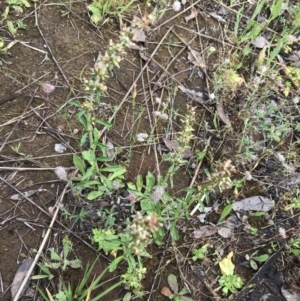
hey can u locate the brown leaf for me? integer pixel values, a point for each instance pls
(146, 58)
(192, 15)
(205, 231)
(20, 275)
(171, 144)
(260, 42)
(110, 152)
(166, 291)
(139, 35)
(217, 17)
(221, 113)
(187, 153)
(195, 58)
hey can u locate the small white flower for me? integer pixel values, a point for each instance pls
(296, 100)
(47, 88)
(164, 116)
(59, 148)
(176, 6)
(212, 96)
(248, 176)
(157, 194)
(161, 115)
(280, 157)
(141, 137)
(61, 173)
(158, 100)
(282, 232)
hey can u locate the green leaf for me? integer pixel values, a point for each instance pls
(84, 139)
(147, 205)
(11, 28)
(54, 255)
(26, 3)
(127, 297)
(95, 194)
(53, 265)
(117, 173)
(150, 181)
(114, 168)
(172, 281)
(184, 291)
(226, 211)
(114, 264)
(96, 16)
(38, 277)
(104, 159)
(106, 124)
(275, 9)
(253, 264)
(44, 269)
(6, 12)
(75, 264)
(61, 296)
(96, 135)
(90, 172)
(261, 258)
(79, 163)
(295, 251)
(89, 156)
(139, 183)
(87, 184)
(131, 186)
(67, 246)
(174, 232)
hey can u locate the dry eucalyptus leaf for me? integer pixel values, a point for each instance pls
(255, 203)
(18, 197)
(171, 144)
(205, 231)
(233, 222)
(59, 148)
(195, 58)
(290, 296)
(225, 232)
(260, 42)
(146, 58)
(187, 153)
(136, 47)
(110, 152)
(221, 113)
(139, 35)
(201, 217)
(192, 93)
(19, 276)
(192, 15)
(217, 17)
(223, 11)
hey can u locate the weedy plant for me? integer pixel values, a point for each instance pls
(229, 281)
(175, 294)
(103, 10)
(17, 6)
(58, 261)
(84, 290)
(200, 253)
